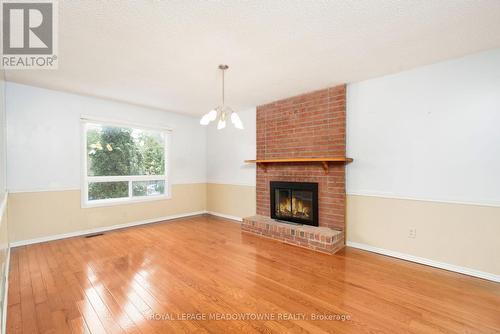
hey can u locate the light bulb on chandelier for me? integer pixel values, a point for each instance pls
(236, 120)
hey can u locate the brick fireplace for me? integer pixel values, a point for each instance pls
(311, 125)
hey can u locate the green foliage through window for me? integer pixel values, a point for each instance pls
(148, 188)
(122, 151)
(105, 190)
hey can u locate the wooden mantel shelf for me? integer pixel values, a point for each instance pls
(323, 161)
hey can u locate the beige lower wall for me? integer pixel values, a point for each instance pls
(48, 213)
(232, 200)
(460, 234)
(4, 253)
(42, 214)
(4, 237)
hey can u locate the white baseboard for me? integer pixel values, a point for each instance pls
(103, 229)
(432, 263)
(5, 292)
(223, 215)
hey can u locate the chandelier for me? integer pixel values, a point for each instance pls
(222, 112)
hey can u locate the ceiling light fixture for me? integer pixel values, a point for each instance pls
(222, 111)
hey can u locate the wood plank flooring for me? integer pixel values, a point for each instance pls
(202, 275)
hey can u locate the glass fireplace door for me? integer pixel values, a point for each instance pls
(295, 202)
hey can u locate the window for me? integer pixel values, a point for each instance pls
(123, 163)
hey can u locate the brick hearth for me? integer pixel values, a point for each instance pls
(311, 125)
(321, 239)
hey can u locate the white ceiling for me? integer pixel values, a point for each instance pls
(165, 54)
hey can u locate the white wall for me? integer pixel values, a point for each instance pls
(431, 133)
(44, 137)
(228, 148)
(3, 137)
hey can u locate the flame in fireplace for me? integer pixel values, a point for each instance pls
(295, 208)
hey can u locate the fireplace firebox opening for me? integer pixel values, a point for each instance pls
(295, 202)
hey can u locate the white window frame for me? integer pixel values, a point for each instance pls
(85, 203)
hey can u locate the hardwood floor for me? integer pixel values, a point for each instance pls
(127, 280)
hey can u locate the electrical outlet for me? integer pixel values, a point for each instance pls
(412, 233)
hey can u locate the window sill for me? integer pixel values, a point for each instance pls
(122, 201)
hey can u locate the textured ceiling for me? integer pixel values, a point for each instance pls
(164, 54)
